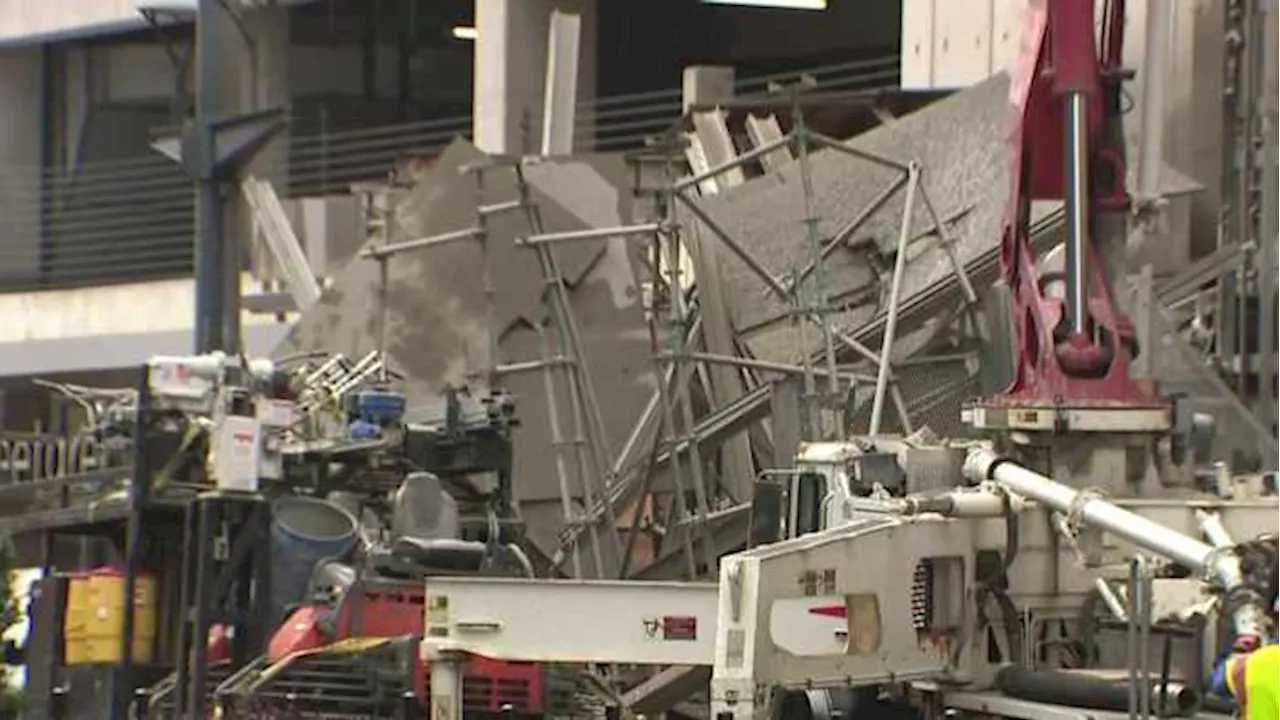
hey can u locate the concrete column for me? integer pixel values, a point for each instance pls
(510, 66)
(266, 83)
(262, 82)
(705, 85)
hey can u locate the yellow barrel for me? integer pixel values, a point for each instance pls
(93, 624)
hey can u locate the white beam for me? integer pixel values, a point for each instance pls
(648, 623)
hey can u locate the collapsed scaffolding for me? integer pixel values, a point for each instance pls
(734, 400)
(671, 230)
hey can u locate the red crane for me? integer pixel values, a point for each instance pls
(1066, 143)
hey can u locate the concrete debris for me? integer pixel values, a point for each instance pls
(959, 144)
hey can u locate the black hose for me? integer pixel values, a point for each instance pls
(995, 584)
(1082, 691)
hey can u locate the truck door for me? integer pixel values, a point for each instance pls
(808, 491)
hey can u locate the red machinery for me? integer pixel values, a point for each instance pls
(376, 609)
(1065, 144)
(352, 648)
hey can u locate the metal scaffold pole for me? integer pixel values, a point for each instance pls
(668, 244)
(813, 303)
(563, 350)
(1269, 256)
(214, 143)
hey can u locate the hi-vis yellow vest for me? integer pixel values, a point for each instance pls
(1254, 681)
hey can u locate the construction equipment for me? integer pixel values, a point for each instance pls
(276, 470)
(404, 500)
(972, 576)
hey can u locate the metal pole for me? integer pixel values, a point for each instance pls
(1131, 635)
(648, 419)
(772, 282)
(562, 472)
(206, 530)
(700, 493)
(1076, 154)
(490, 292)
(422, 242)
(895, 393)
(668, 412)
(846, 232)
(186, 599)
(1143, 592)
(138, 492)
(947, 241)
(581, 389)
(210, 245)
(1108, 595)
(1268, 267)
(833, 144)
(819, 295)
(384, 313)
(1231, 223)
(895, 289)
(586, 455)
(1211, 525)
(682, 185)
(590, 234)
(768, 366)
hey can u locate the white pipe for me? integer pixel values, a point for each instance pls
(1211, 524)
(1108, 595)
(982, 504)
(983, 464)
(895, 290)
(955, 503)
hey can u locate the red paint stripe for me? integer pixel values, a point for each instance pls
(836, 611)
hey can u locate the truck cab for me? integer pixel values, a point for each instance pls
(831, 481)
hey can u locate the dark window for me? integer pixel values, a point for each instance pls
(811, 488)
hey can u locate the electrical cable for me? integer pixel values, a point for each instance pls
(994, 583)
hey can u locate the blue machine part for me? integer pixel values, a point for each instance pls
(361, 430)
(380, 407)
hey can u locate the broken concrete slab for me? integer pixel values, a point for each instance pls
(959, 143)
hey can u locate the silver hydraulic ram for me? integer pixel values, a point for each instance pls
(1216, 564)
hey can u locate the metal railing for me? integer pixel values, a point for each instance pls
(133, 219)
